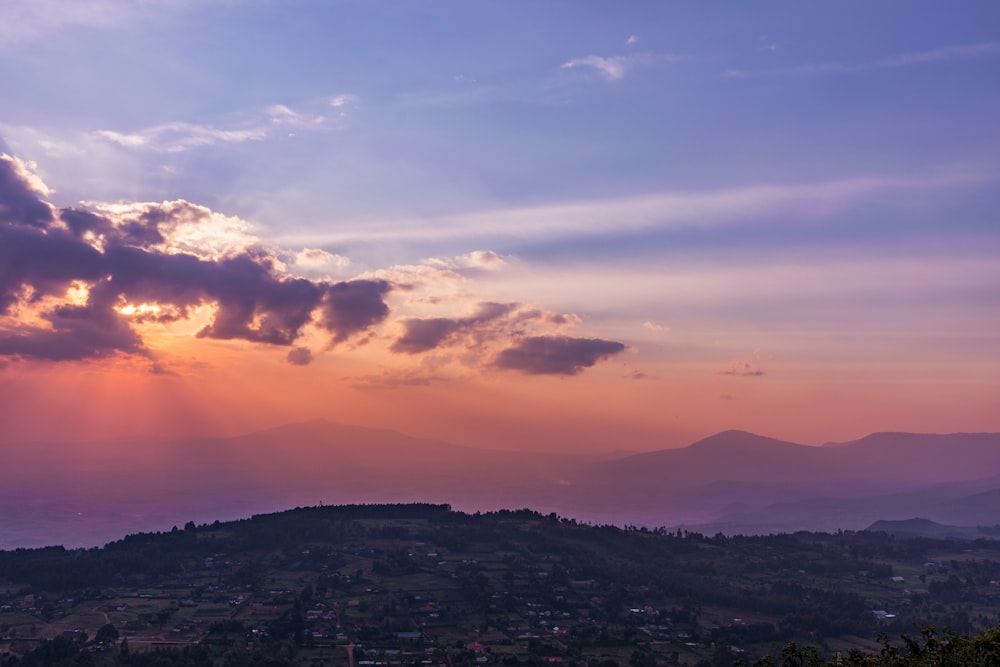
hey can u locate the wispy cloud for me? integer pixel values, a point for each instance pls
(343, 100)
(669, 210)
(468, 93)
(945, 54)
(177, 137)
(614, 68)
(24, 21)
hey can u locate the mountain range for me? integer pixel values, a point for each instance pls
(731, 482)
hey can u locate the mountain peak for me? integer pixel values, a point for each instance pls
(735, 439)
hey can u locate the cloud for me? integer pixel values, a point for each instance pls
(727, 397)
(614, 68)
(27, 20)
(315, 259)
(282, 115)
(78, 283)
(25, 173)
(977, 51)
(299, 356)
(19, 190)
(97, 281)
(23, 21)
(556, 355)
(654, 327)
(354, 306)
(172, 227)
(480, 259)
(391, 379)
(75, 333)
(343, 100)
(637, 375)
(632, 40)
(176, 137)
(742, 369)
(421, 335)
(945, 54)
(483, 339)
(469, 93)
(473, 262)
(800, 202)
(768, 44)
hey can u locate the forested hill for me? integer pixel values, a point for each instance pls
(422, 584)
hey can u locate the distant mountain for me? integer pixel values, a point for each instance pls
(751, 483)
(881, 459)
(732, 482)
(953, 503)
(926, 528)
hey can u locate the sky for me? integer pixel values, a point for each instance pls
(566, 226)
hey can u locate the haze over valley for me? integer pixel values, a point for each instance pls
(733, 482)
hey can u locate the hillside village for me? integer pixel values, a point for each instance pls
(421, 584)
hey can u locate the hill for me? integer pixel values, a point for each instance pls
(423, 583)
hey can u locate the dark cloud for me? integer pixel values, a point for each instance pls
(43, 252)
(80, 222)
(742, 369)
(300, 356)
(141, 232)
(354, 306)
(43, 262)
(421, 335)
(159, 369)
(556, 355)
(78, 332)
(254, 305)
(18, 203)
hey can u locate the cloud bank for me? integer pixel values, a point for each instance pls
(81, 283)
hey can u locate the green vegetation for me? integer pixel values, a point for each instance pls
(421, 584)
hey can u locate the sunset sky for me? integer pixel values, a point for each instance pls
(546, 225)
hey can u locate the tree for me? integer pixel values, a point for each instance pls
(108, 634)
